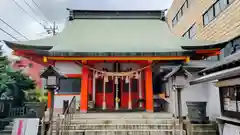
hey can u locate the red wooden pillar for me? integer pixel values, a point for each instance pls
(149, 89)
(84, 90)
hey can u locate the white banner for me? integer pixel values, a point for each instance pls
(25, 126)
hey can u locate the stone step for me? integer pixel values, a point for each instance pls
(123, 121)
(5, 132)
(141, 115)
(204, 127)
(8, 127)
(123, 132)
(205, 132)
(119, 126)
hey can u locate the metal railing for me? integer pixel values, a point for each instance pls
(15, 112)
(63, 122)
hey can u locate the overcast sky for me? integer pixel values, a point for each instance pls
(29, 16)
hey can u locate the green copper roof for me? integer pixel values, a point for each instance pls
(114, 35)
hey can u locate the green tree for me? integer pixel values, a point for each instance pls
(5, 80)
(13, 83)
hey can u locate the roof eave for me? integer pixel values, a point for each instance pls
(64, 53)
(15, 46)
(219, 45)
(217, 75)
(211, 46)
(220, 67)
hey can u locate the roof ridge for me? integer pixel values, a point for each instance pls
(116, 14)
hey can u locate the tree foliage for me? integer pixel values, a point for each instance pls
(13, 83)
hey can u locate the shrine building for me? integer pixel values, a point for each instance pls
(110, 57)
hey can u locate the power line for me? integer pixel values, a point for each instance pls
(33, 10)
(8, 34)
(40, 9)
(13, 29)
(27, 13)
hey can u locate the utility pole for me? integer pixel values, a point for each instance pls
(52, 29)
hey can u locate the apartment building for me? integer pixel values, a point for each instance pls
(213, 20)
(207, 20)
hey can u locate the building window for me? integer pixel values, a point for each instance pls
(205, 19)
(223, 3)
(210, 14)
(236, 45)
(232, 47)
(191, 32)
(184, 7)
(70, 86)
(174, 21)
(217, 8)
(214, 10)
(180, 13)
(186, 35)
(230, 101)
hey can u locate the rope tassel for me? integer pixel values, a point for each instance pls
(136, 75)
(105, 78)
(95, 74)
(127, 79)
(116, 80)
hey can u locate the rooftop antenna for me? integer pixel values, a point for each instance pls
(52, 29)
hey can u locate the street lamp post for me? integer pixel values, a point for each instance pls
(179, 77)
(52, 77)
(179, 82)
